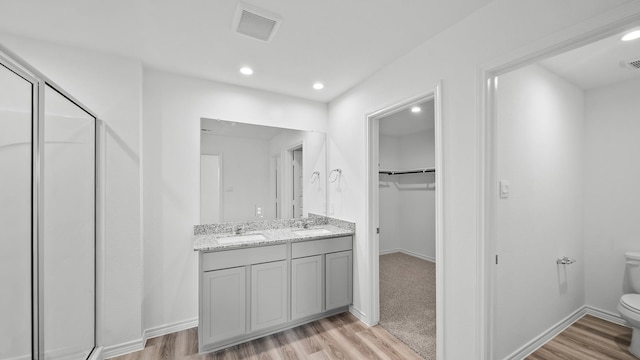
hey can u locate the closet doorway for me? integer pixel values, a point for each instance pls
(405, 199)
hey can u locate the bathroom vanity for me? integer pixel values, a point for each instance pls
(263, 281)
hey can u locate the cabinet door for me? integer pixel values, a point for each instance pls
(306, 286)
(223, 304)
(339, 279)
(268, 294)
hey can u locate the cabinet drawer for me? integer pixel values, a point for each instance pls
(322, 246)
(240, 257)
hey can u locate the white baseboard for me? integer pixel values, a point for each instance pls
(22, 357)
(122, 349)
(407, 252)
(137, 345)
(361, 316)
(169, 328)
(97, 354)
(605, 315)
(556, 329)
(549, 334)
(390, 251)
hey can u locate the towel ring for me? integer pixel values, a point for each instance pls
(337, 172)
(315, 176)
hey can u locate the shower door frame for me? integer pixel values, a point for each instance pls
(39, 82)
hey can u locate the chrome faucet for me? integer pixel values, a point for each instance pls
(307, 224)
(239, 230)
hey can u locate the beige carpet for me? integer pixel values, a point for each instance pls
(408, 301)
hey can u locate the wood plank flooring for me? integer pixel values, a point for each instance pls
(340, 336)
(589, 338)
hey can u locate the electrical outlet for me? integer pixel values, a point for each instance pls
(505, 189)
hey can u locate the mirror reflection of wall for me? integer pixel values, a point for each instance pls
(253, 172)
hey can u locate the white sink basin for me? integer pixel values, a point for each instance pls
(239, 239)
(312, 232)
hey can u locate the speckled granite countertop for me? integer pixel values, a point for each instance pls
(211, 241)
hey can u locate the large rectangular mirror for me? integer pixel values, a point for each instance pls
(254, 172)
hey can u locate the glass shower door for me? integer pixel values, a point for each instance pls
(69, 229)
(15, 215)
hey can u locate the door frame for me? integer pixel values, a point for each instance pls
(275, 193)
(372, 120)
(286, 194)
(597, 28)
(220, 186)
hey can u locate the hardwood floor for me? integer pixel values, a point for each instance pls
(588, 338)
(337, 337)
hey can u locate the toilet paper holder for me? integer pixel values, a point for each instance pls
(565, 260)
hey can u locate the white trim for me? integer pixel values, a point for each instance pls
(97, 354)
(372, 218)
(562, 325)
(139, 344)
(390, 251)
(112, 351)
(168, 329)
(588, 31)
(605, 315)
(533, 345)
(407, 252)
(22, 357)
(361, 316)
(440, 231)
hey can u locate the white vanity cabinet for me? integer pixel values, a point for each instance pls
(321, 275)
(268, 294)
(339, 279)
(307, 286)
(224, 304)
(252, 292)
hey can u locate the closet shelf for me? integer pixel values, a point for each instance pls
(412, 171)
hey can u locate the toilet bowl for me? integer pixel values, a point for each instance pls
(629, 304)
(629, 309)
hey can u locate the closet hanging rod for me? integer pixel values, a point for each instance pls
(400, 172)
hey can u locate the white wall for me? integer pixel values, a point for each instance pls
(111, 87)
(452, 56)
(540, 142)
(245, 175)
(611, 190)
(418, 210)
(171, 145)
(389, 199)
(407, 202)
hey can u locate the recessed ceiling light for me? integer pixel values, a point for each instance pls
(416, 109)
(318, 86)
(245, 70)
(631, 36)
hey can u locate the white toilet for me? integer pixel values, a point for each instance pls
(629, 305)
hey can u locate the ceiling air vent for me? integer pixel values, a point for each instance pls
(634, 63)
(255, 23)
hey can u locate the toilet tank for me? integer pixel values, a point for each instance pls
(633, 265)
